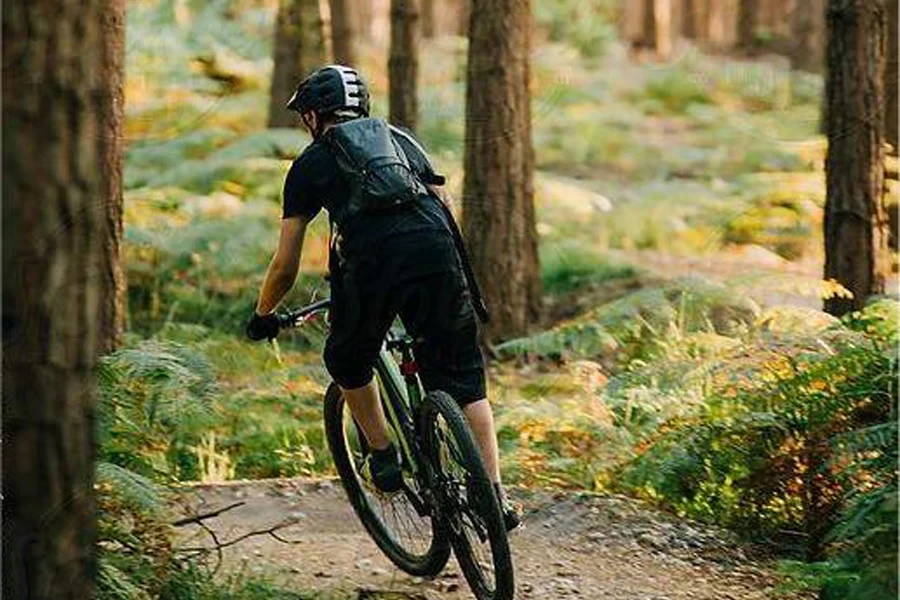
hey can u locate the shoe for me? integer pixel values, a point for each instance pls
(511, 516)
(381, 470)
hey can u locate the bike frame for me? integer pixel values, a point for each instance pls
(401, 401)
(401, 390)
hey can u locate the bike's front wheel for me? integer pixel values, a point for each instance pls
(470, 507)
(400, 524)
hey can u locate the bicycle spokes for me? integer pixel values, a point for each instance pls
(463, 494)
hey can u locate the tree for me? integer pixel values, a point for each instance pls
(429, 25)
(112, 318)
(807, 50)
(891, 106)
(343, 34)
(498, 192)
(688, 27)
(856, 236)
(748, 14)
(60, 174)
(299, 48)
(648, 25)
(403, 65)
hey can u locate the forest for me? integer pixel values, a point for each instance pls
(683, 217)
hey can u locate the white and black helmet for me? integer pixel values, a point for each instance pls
(334, 89)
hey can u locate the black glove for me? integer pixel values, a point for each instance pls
(263, 327)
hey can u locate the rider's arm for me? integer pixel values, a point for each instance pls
(284, 266)
(442, 193)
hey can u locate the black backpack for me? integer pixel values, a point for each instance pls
(375, 166)
(381, 179)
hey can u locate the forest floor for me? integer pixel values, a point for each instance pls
(572, 546)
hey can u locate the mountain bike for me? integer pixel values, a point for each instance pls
(447, 500)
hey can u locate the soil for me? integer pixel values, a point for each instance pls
(572, 546)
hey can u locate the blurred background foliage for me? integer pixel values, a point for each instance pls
(683, 357)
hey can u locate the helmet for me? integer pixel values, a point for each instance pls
(333, 89)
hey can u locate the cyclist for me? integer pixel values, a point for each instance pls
(400, 261)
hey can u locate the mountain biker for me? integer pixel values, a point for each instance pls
(398, 261)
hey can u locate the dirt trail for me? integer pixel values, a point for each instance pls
(573, 546)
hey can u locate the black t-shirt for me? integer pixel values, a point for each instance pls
(315, 182)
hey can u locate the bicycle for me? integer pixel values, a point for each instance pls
(447, 500)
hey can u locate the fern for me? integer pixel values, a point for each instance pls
(115, 584)
(132, 489)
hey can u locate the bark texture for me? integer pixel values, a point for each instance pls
(498, 192)
(299, 49)
(856, 235)
(112, 317)
(343, 34)
(403, 64)
(57, 188)
(891, 75)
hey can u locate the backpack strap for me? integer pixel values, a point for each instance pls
(453, 228)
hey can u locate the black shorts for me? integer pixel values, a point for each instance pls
(435, 308)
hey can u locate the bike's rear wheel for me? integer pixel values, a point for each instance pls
(469, 506)
(409, 538)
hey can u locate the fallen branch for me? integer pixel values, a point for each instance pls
(203, 516)
(271, 531)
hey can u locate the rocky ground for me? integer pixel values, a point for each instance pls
(573, 546)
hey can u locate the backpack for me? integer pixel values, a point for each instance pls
(374, 164)
(381, 179)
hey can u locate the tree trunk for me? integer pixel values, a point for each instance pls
(299, 48)
(688, 20)
(464, 12)
(498, 192)
(365, 17)
(748, 15)
(856, 235)
(662, 16)
(343, 36)
(403, 65)
(429, 27)
(722, 24)
(890, 91)
(112, 317)
(807, 51)
(58, 185)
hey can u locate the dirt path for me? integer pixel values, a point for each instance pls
(572, 547)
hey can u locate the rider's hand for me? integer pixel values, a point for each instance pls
(263, 327)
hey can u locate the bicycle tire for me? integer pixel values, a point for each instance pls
(440, 405)
(422, 564)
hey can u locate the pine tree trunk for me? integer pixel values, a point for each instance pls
(688, 26)
(112, 317)
(464, 12)
(403, 65)
(748, 15)
(856, 236)
(662, 40)
(718, 23)
(299, 49)
(808, 36)
(58, 185)
(343, 36)
(498, 194)
(890, 105)
(429, 26)
(365, 18)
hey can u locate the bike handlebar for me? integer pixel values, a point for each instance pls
(295, 318)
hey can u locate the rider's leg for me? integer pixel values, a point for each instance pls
(365, 405)
(481, 420)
